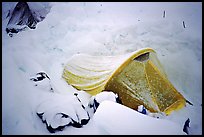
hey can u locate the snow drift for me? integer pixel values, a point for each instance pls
(98, 28)
(117, 119)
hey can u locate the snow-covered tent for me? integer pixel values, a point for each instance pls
(138, 78)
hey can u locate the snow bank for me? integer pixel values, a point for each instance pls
(99, 29)
(117, 119)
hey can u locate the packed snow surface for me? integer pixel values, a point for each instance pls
(173, 30)
(117, 119)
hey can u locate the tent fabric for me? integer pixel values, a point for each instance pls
(138, 78)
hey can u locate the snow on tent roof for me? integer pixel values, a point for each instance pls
(138, 78)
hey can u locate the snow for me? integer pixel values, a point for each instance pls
(105, 95)
(99, 28)
(117, 119)
(55, 105)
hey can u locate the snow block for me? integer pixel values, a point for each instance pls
(96, 100)
(117, 119)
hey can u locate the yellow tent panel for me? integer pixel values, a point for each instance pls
(138, 78)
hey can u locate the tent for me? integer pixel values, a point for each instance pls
(138, 78)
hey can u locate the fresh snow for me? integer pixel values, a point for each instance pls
(117, 119)
(101, 28)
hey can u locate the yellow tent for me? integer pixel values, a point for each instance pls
(138, 78)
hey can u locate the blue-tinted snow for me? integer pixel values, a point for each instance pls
(99, 29)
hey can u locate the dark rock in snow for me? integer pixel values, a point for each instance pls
(186, 126)
(58, 112)
(20, 18)
(42, 80)
(61, 127)
(40, 76)
(23, 17)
